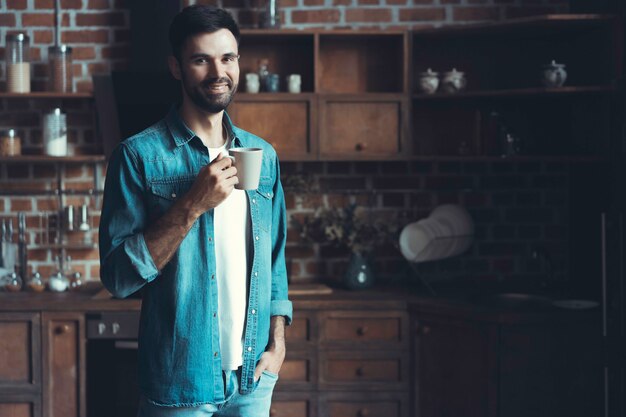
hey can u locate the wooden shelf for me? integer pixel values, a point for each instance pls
(69, 246)
(77, 159)
(471, 158)
(523, 27)
(521, 92)
(47, 94)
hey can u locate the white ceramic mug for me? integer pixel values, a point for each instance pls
(248, 163)
(294, 83)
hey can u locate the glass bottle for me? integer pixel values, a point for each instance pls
(60, 69)
(10, 144)
(271, 15)
(18, 63)
(264, 73)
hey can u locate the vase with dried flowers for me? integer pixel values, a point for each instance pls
(352, 227)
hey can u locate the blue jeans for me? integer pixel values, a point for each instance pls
(255, 404)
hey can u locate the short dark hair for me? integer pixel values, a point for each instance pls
(196, 19)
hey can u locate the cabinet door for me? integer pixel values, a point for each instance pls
(455, 368)
(20, 405)
(363, 127)
(64, 365)
(20, 353)
(286, 121)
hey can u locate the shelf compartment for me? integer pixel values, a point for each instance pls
(511, 56)
(350, 62)
(287, 121)
(288, 53)
(363, 126)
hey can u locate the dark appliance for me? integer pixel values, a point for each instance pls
(112, 387)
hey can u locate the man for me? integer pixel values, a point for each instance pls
(208, 258)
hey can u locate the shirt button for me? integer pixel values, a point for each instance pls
(215, 354)
(249, 349)
(253, 201)
(253, 311)
(268, 194)
(212, 276)
(256, 237)
(256, 273)
(210, 239)
(173, 195)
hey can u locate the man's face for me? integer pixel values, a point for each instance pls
(209, 69)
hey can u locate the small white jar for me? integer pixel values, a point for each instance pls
(294, 83)
(253, 84)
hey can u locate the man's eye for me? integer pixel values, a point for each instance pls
(230, 59)
(200, 61)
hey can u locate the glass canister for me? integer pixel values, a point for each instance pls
(18, 63)
(55, 133)
(60, 69)
(10, 144)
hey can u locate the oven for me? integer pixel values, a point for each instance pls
(112, 384)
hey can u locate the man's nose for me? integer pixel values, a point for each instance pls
(216, 70)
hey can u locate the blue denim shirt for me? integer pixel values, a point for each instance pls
(179, 355)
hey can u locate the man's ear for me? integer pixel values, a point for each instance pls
(172, 62)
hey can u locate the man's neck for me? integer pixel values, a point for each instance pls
(207, 126)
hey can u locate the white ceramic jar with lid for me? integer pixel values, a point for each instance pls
(55, 133)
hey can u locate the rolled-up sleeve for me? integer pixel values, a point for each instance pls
(125, 262)
(280, 304)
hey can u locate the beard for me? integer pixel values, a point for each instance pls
(200, 94)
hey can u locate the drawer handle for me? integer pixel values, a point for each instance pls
(361, 330)
(363, 412)
(62, 329)
(360, 371)
(360, 146)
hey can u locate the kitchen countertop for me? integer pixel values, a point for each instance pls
(479, 307)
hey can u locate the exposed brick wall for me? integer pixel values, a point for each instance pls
(514, 205)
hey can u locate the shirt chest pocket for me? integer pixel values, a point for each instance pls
(263, 200)
(163, 195)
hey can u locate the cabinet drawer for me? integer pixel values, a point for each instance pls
(298, 373)
(289, 408)
(357, 404)
(352, 370)
(299, 331)
(16, 409)
(363, 370)
(293, 404)
(365, 329)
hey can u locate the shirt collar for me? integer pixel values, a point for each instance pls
(182, 134)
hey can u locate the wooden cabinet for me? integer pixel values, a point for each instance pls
(63, 365)
(20, 364)
(345, 363)
(30, 388)
(484, 369)
(354, 104)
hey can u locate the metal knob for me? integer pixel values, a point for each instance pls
(360, 146)
(363, 412)
(361, 330)
(360, 371)
(64, 328)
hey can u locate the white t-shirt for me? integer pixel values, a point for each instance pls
(231, 224)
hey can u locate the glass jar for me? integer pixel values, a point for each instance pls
(10, 144)
(60, 69)
(12, 282)
(55, 133)
(35, 283)
(18, 63)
